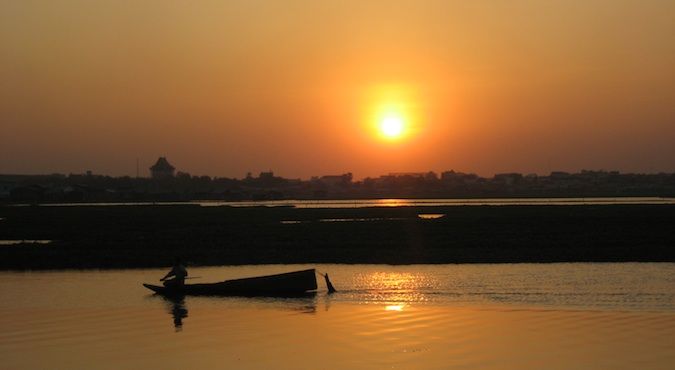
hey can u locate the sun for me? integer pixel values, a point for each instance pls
(392, 126)
(391, 113)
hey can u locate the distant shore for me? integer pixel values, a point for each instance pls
(150, 236)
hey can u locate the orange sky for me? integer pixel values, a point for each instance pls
(226, 87)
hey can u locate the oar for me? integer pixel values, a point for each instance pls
(192, 277)
(329, 285)
(331, 288)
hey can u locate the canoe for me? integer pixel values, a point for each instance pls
(286, 284)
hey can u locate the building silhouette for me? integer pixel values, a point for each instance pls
(162, 169)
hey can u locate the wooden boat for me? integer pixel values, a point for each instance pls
(295, 283)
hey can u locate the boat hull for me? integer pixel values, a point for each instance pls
(295, 283)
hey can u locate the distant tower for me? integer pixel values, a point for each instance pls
(162, 169)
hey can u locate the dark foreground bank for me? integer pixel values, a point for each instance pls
(150, 236)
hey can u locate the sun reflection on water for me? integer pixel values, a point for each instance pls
(392, 202)
(394, 307)
(395, 288)
(431, 216)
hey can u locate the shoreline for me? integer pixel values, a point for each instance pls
(99, 237)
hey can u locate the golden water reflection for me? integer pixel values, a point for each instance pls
(403, 317)
(430, 216)
(226, 334)
(396, 288)
(392, 202)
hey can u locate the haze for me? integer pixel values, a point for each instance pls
(227, 87)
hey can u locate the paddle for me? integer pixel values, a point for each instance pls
(191, 277)
(329, 285)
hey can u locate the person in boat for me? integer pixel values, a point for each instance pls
(178, 272)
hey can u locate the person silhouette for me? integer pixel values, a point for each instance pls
(178, 272)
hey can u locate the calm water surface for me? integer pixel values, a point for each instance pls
(362, 203)
(510, 316)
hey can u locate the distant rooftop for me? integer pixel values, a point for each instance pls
(162, 165)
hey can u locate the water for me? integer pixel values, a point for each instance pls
(510, 316)
(363, 203)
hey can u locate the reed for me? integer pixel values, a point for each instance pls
(150, 236)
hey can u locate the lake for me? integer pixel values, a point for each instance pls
(366, 203)
(487, 316)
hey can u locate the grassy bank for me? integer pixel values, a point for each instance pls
(149, 236)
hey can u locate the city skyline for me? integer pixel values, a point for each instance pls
(141, 170)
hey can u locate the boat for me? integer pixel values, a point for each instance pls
(296, 283)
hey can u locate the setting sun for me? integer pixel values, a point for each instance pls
(392, 126)
(392, 111)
